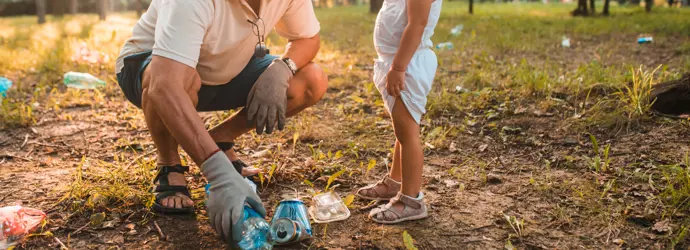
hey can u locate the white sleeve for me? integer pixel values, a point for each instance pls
(180, 29)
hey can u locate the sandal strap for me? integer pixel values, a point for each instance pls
(225, 146)
(163, 171)
(409, 201)
(239, 165)
(181, 189)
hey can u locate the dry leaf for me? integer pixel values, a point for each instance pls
(409, 241)
(483, 147)
(261, 153)
(662, 227)
(348, 200)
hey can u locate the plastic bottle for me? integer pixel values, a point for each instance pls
(648, 39)
(82, 80)
(5, 84)
(255, 230)
(446, 45)
(457, 30)
(565, 43)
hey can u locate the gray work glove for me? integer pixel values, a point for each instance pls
(227, 196)
(268, 97)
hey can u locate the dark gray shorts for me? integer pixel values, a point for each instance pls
(228, 96)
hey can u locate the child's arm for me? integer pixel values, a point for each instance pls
(417, 18)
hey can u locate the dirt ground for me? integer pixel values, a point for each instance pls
(520, 162)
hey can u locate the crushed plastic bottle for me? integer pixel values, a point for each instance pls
(255, 230)
(5, 84)
(642, 40)
(16, 222)
(565, 43)
(82, 80)
(457, 30)
(446, 45)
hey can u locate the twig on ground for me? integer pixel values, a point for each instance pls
(62, 246)
(15, 156)
(48, 145)
(160, 232)
(139, 157)
(81, 228)
(28, 153)
(26, 139)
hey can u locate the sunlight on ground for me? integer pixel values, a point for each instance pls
(507, 93)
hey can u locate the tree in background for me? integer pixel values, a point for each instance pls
(102, 9)
(581, 8)
(472, 6)
(606, 7)
(648, 5)
(139, 6)
(375, 6)
(73, 7)
(41, 11)
(57, 7)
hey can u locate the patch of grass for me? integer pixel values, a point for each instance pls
(121, 186)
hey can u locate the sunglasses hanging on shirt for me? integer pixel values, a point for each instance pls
(260, 50)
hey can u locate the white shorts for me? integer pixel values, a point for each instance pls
(418, 79)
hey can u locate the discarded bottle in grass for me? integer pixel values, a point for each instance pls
(16, 222)
(648, 39)
(565, 43)
(446, 45)
(255, 230)
(5, 84)
(82, 80)
(457, 30)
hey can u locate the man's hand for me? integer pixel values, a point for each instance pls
(395, 82)
(227, 196)
(268, 98)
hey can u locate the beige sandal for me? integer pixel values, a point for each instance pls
(381, 191)
(413, 209)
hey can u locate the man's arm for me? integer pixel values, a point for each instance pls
(303, 51)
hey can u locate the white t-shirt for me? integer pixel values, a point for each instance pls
(214, 36)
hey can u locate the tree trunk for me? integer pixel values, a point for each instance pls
(375, 6)
(73, 7)
(591, 7)
(581, 8)
(58, 7)
(102, 9)
(139, 6)
(648, 5)
(41, 11)
(606, 7)
(471, 6)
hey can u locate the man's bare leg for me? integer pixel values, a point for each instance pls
(305, 89)
(166, 145)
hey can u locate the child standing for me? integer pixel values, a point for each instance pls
(403, 74)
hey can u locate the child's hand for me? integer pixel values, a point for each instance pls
(395, 82)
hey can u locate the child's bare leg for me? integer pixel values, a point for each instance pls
(408, 204)
(411, 154)
(396, 170)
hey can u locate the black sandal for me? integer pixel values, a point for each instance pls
(238, 164)
(164, 189)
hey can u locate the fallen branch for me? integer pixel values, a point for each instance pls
(160, 232)
(139, 157)
(26, 139)
(62, 246)
(81, 228)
